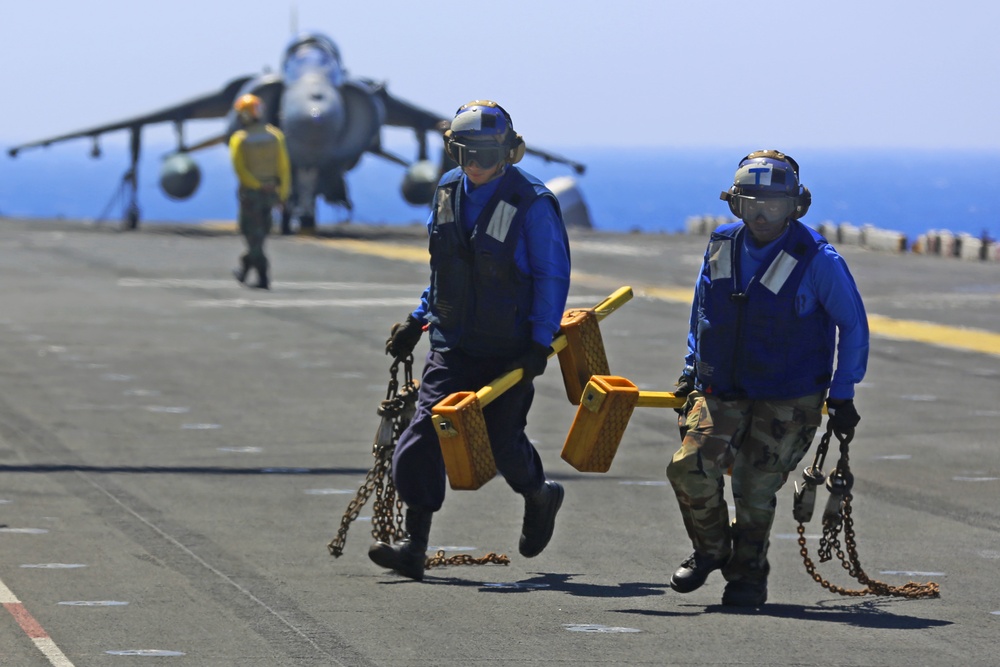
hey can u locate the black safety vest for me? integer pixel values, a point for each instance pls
(479, 300)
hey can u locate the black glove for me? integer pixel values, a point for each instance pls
(533, 361)
(403, 337)
(685, 385)
(843, 416)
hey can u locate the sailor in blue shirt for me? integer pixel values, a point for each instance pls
(774, 303)
(499, 280)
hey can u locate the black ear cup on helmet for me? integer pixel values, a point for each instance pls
(802, 202)
(516, 149)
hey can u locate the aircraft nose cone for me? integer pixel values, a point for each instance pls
(313, 119)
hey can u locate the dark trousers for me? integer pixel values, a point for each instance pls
(418, 466)
(255, 225)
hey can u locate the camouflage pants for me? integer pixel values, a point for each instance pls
(255, 225)
(760, 442)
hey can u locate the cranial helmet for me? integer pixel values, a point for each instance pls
(249, 107)
(767, 183)
(482, 132)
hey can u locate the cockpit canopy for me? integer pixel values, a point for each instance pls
(312, 52)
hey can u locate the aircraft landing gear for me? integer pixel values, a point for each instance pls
(131, 220)
(125, 197)
(286, 221)
(307, 224)
(126, 194)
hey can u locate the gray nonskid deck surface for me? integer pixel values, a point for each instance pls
(178, 443)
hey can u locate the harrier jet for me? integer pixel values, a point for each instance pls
(329, 120)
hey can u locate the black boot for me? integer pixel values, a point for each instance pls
(408, 557)
(262, 281)
(694, 571)
(241, 273)
(745, 593)
(540, 510)
(747, 572)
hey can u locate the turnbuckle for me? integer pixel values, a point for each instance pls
(840, 481)
(399, 405)
(805, 493)
(812, 476)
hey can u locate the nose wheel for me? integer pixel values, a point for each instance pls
(307, 224)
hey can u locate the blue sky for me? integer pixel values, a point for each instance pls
(631, 73)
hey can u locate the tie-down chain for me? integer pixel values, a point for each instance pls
(836, 517)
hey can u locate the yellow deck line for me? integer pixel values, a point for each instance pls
(973, 340)
(221, 225)
(959, 338)
(407, 253)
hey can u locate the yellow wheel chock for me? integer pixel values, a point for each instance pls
(606, 406)
(458, 419)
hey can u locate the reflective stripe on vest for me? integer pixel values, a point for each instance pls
(499, 225)
(720, 259)
(778, 272)
(445, 208)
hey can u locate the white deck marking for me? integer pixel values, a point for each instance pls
(31, 627)
(593, 627)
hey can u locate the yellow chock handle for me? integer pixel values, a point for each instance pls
(461, 428)
(610, 304)
(660, 399)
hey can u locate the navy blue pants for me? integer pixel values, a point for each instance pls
(418, 466)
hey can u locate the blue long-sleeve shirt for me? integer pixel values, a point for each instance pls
(827, 284)
(541, 253)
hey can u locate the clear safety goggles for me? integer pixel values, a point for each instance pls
(484, 156)
(772, 209)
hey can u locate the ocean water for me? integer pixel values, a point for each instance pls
(626, 189)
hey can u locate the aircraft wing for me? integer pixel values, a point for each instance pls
(400, 113)
(553, 157)
(213, 105)
(404, 114)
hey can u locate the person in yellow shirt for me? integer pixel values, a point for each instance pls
(261, 162)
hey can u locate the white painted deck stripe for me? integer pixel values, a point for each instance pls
(35, 632)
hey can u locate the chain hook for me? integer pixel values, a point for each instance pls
(837, 516)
